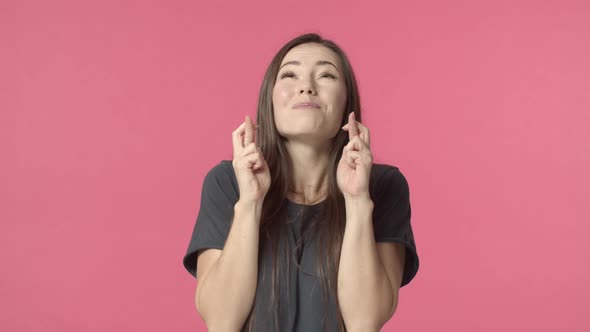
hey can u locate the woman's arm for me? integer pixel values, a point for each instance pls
(225, 295)
(365, 292)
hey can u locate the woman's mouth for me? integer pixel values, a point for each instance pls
(306, 105)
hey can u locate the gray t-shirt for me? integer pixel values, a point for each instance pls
(301, 306)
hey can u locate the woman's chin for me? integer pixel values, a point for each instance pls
(311, 138)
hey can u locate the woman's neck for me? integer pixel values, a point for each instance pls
(310, 173)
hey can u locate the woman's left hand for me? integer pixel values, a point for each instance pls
(354, 168)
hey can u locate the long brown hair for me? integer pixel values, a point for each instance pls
(327, 227)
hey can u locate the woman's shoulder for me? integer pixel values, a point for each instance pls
(222, 174)
(223, 168)
(384, 177)
(378, 171)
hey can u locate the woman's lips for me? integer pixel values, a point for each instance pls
(306, 105)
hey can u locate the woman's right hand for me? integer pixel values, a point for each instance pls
(249, 165)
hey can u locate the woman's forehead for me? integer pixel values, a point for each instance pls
(310, 54)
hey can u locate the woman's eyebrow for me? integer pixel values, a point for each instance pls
(318, 63)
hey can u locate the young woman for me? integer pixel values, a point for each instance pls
(301, 231)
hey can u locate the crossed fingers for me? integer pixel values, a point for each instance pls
(244, 135)
(358, 134)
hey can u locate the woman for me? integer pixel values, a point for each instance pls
(301, 231)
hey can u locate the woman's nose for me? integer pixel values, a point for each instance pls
(306, 86)
(308, 91)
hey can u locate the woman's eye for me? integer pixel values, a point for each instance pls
(291, 74)
(287, 74)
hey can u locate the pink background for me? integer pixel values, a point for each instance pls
(111, 114)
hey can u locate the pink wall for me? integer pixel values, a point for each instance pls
(112, 113)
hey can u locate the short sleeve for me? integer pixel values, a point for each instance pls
(218, 197)
(391, 217)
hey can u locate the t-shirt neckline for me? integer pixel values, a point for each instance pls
(290, 202)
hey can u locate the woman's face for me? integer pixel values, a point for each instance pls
(309, 73)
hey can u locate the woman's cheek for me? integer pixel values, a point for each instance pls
(340, 99)
(280, 104)
(283, 96)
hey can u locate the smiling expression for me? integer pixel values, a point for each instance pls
(309, 73)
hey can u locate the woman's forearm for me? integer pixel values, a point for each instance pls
(364, 291)
(226, 295)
